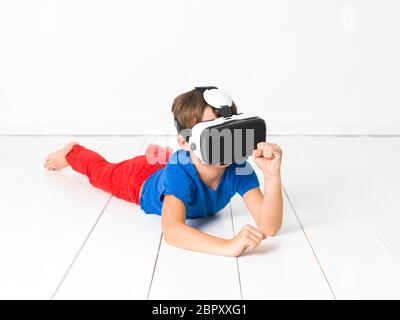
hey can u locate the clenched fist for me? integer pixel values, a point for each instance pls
(248, 238)
(268, 158)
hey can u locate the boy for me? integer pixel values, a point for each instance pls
(184, 188)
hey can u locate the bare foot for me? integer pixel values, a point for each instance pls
(56, 160)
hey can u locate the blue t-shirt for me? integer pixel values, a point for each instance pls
(180, 179)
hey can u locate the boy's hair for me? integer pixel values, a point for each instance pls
(188, 108)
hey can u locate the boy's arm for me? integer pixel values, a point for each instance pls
(267, 209)
(177, 233)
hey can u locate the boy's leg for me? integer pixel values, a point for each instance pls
(123, 179)
(93, 165)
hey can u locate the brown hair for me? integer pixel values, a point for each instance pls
(188, 108)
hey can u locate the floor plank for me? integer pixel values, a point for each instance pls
(366, 171)
(284, 266)
(23, 158)
(9, 144)
(354, 259)
(44, 219)
(182, 274)
(118, 259)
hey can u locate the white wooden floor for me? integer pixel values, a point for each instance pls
(60, 238)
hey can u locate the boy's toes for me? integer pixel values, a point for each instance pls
(48, 157)
(48, 165)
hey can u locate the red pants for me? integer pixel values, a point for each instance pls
(123, 179)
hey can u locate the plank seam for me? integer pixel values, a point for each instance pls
(353, 206)
(81, 248)
(95, 223)
(16, 181)
(154, 268)
(309, 243)
(19, 147)
(147, 140)
(236, 258)
(28, 171)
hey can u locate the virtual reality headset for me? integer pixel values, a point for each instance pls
(230, 138)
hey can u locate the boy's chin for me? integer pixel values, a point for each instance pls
(199, 161)
(219, 165)
(214, 165)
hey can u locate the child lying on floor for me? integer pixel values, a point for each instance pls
(178, 186)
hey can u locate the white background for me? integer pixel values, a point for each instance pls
(89, 66)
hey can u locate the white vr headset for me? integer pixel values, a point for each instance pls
(228, 139)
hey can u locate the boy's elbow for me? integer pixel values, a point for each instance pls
(270, 232)
(167, 234)
(168, 239)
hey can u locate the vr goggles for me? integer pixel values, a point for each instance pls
(228, 139)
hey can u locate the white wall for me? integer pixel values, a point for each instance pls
(115, 66)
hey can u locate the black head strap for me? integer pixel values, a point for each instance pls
(226, 111)
(202, 89)
(177, 125)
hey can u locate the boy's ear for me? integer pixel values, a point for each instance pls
(183, 143)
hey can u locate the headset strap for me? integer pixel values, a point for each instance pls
(202, 89)
(225, 111)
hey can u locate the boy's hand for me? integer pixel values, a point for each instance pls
(248, 238)
(268, 157)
